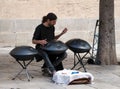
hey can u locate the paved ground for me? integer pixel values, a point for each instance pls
(105, 76)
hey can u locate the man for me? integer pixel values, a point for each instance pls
(44, 33)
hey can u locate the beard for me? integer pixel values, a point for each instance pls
(50, 25)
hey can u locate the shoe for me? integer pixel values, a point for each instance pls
(90, 61)
(47, 72)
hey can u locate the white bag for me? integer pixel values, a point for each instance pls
(67, 76)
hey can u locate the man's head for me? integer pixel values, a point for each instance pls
(50, 19)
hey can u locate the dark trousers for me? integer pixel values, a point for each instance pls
(53, 62)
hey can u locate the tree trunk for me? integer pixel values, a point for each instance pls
(106, 43)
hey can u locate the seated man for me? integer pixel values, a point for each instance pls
(43, 34)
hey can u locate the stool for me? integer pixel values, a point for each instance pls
(24, 55)
(78, 46)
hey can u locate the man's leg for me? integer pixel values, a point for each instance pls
(59, 67)
(38, 58)
(57, 60)
(47, 61)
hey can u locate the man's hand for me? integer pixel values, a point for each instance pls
(43, 42)
(64, 31)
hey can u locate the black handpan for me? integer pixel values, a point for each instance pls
(23, 53)
(78, 45)
(55, 47)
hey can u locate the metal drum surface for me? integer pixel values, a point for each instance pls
(78, 45)
(23, 52)
(55, 47)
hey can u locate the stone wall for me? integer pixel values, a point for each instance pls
(18, 19)
(34, 9)
(19, 32)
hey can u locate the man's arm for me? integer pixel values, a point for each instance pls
(42, 42)
(36, 35)
(63, 32)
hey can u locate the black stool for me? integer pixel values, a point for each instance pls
(24, 55)
(79, 46)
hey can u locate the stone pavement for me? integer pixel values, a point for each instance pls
(105, 76)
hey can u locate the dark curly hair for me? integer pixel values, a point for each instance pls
(50, 16)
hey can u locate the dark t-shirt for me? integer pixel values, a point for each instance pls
(42, 32)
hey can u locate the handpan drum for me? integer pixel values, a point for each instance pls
(23, 53)
(55, 47)
(78, 45)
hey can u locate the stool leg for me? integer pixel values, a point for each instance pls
(74, 59)
(81, 62)
(26, 71)
(17, 75)
(77, 55)
(82, 66)
(28, 76)
(75, 64)
(24, 66)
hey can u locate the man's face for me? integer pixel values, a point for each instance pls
(51, 22)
